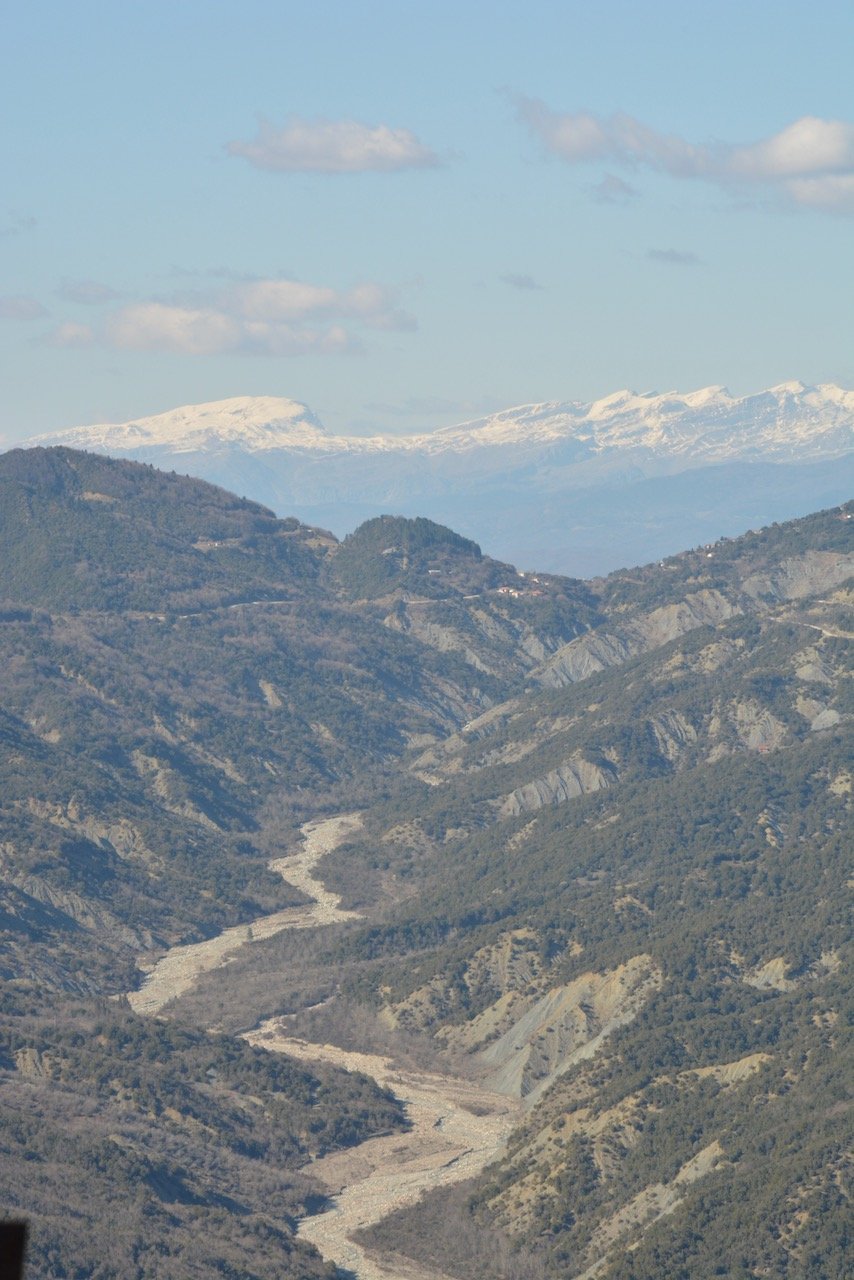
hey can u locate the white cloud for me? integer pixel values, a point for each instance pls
(809, 163)
(288, 300)
(808, 148)
(830, 192)
(19, 306)
(333, 146)
(89, 292)
(159, 326)
(277, 317)
(266, 339)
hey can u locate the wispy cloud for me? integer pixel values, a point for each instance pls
(613, 190)
(15, 223)
(273, 317)
(204, 331)
(88, 292)
(675, 257)
(333, 146)
(161, 326)
(20, 306)
(288, 300)
(520, 281)
(809, 163)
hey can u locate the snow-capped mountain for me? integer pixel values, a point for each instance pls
(790, 420)
(249, 422)
(701, 426)
(563, 485)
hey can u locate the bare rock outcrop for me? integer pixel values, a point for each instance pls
(801, 576)
(567, 1025)
(574, 777)
(588, 654)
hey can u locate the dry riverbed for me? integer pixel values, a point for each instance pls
(458, 1127)
(177, 970)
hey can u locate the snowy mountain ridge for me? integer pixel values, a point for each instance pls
(709, 425)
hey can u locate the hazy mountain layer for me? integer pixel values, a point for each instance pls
(566, 487)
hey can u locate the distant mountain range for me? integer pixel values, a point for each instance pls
(563, 486)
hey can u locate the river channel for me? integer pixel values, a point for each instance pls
(456, 1126)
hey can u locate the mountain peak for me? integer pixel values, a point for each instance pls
(249, 422)
(566, 485)
(706, 395)
(793, 388)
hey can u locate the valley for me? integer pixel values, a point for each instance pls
(457, 1127)
(426, 622)
(474, 925)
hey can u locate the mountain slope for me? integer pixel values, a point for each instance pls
(185, 680)
(658, 960)
(624, 897)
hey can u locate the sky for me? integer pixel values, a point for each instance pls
(409, 214)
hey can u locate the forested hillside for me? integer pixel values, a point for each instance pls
(601, 867)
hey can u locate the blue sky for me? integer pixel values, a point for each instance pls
(406, 214)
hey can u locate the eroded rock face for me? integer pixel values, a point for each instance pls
(801, 576)
(166, 786)
(588, 654)
(583, 657)
(566, 1025)
(813, 668)
(757, 728)
(87, 912)
(575, 777)
(702, 608)
(673, 734)
(819, 715)
(438, 636)
(30, 1062)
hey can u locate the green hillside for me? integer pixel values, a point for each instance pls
(82, 531)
